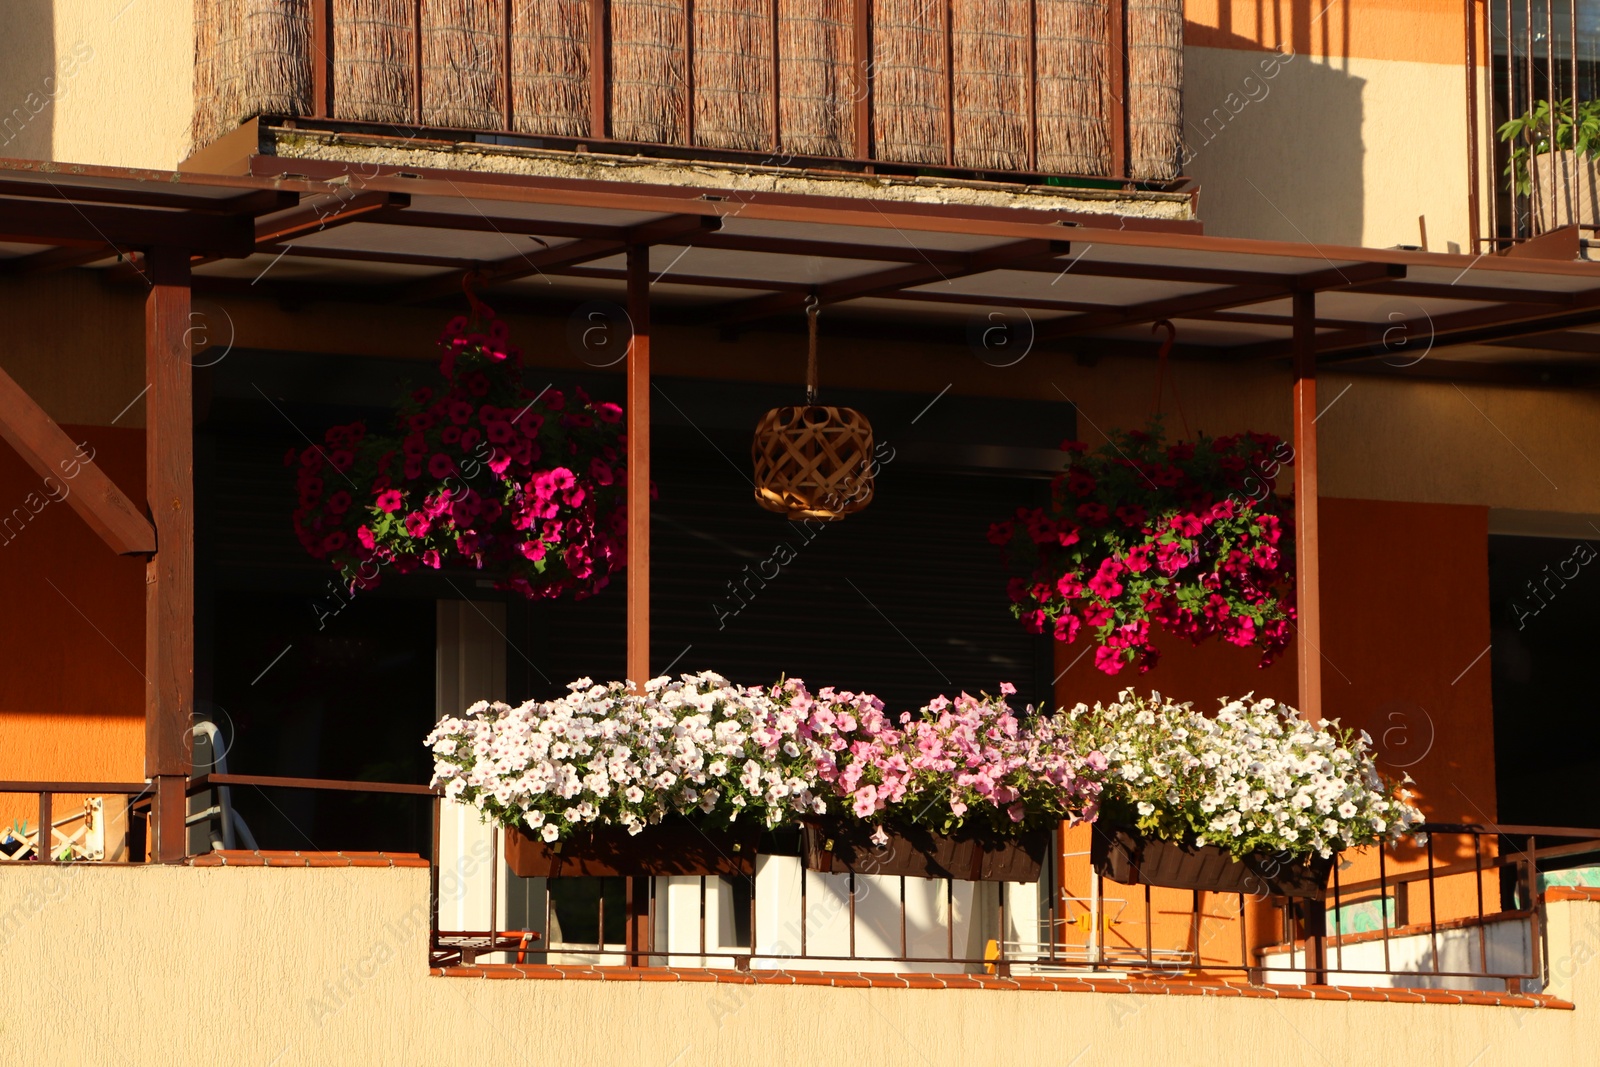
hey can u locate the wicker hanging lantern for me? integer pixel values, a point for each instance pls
(813, 462)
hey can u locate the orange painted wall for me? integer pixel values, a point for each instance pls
(1405, 592)
(1417, 31)
(72, 632)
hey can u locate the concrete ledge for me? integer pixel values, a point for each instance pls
(239, 857)
(300, 966)
(1058, 983)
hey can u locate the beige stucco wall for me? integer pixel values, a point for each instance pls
(1337, 150)
(97, 81)
(181, 966)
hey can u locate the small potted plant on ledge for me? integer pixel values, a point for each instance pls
(679, 779)
(964, 789)
(1253, 799)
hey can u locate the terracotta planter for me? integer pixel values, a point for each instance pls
(673, 847)
(1125, 855)
(913, 852)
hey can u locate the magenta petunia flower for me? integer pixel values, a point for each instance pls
(441, 465)
(389, 500)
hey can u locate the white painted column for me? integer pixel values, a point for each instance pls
(471, 667)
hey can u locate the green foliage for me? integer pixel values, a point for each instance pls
(1546, 128)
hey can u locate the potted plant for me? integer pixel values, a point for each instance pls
(679, 779)
(683, 778)
(1251, 799)
(1553, 147)
(478, 470)
(1141, 536)
(964, 789)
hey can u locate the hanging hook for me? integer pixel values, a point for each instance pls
(1161, 369)
(479, 308)
(1172, 336)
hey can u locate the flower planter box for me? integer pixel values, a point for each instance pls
(913, 852)
(674, 847)
(1125, 855)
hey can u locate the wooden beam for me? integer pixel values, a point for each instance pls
(1334, 278)
(892, 279)
(324, 212)
(169, 575)
(1476, 326)
(1308, 598)
(683, 228)
(510, 269)
(57, 459)
(58, 222)
(54, 259)
(1170, 308)
(1480, 294)
(638, 387)
(152, 193)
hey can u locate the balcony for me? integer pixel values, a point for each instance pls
(1065, 92)
(1467, 914)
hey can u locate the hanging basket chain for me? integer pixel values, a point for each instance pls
(811, 350)
(480, 310)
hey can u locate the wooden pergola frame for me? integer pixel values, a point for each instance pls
(168, 230)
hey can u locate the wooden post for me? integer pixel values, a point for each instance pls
(322, 59)
(599, 89)
(169, 575)
(861, 75)
(1308, 644)
(1117, 67)
(639, 465)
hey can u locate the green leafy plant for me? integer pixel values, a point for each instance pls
(1545, 128)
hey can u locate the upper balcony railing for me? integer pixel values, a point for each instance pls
(1543, 60)
(1080, 89)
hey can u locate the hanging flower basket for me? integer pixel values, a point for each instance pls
(848, 847)
(673, 847)
(479, 471)
(1140, 536)
(1126, 856)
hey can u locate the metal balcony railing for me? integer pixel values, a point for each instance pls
(1463, 912)
(1542, 58)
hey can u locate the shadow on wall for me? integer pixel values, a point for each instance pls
(30, 80)
(1274, 139)
(1322, 27)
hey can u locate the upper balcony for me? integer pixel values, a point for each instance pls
(1083, 93)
